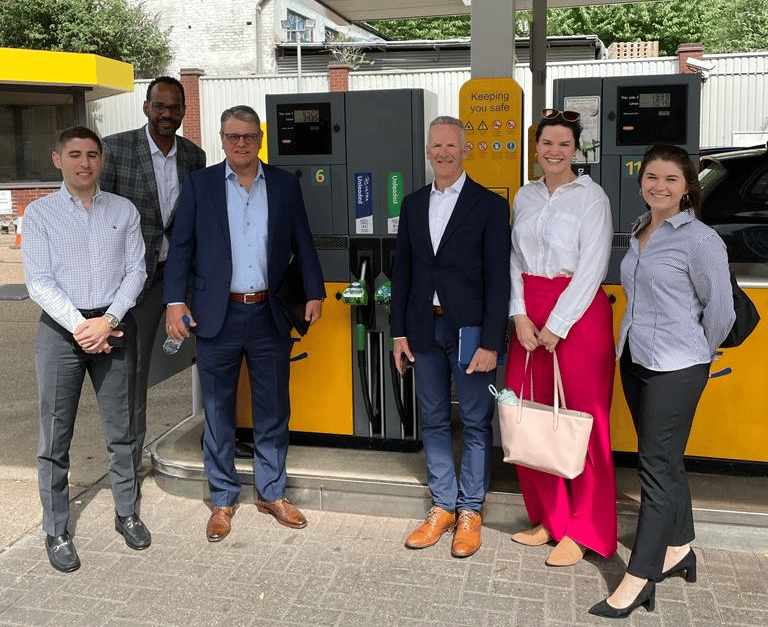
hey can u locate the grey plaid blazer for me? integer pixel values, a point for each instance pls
(128, 172)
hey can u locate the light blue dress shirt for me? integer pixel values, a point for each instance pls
(679, 296)
(248, 214)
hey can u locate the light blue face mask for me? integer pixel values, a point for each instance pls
(505, 397)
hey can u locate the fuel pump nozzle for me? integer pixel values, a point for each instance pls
(383, 295)
(356, 293)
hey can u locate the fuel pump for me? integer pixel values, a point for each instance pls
(356, 155)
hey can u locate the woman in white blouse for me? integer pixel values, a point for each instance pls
(679, 310)
(561, 244)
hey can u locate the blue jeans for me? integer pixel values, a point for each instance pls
(433, 369)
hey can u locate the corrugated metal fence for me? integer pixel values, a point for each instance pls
(734, 96)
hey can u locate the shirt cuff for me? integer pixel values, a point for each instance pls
(558, 326)
(516, 307)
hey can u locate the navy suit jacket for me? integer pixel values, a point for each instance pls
(200, 254)
(469, 271)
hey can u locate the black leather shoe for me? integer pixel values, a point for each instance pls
(62, 553)
(134, 531)
(687, 564)
(646, 597)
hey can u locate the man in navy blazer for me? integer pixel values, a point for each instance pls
(451, 270)
(236, 228)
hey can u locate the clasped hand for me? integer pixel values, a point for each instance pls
(531, 338)
(93, 334)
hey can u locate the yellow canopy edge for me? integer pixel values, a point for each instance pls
(100, 76)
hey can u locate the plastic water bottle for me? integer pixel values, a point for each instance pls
(171, 346)
(505, 397)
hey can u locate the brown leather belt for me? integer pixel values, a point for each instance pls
(249, 299)
(437, 310)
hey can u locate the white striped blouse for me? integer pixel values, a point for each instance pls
(679, 296)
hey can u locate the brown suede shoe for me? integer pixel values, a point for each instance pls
(536, 536)
(466, 540)
(285, 512)
(437, 522)
(566, 553)
(219, 524)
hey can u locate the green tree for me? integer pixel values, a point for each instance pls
(111, 28)
(671, 23)
(448, 27)
(735, 25)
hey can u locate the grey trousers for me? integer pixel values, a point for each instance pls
(147, 315)
(60, 373)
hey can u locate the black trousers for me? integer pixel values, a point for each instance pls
(662, 405)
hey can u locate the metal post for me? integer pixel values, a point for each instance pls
(308, 25)
(298, 62)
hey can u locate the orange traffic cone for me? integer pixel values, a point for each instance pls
(19, 220)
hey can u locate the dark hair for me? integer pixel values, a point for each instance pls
(168, 80)
(76, 132)
(691, 200)
(575, 127)
(240, 112)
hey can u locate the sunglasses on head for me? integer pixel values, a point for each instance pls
(553, 114)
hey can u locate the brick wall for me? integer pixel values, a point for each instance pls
(24, 196)
(338, 76)
(686, 51)
(190, 78)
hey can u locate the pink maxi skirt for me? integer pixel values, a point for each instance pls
(584, 508)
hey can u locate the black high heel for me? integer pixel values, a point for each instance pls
(687, 564)
(646, 597)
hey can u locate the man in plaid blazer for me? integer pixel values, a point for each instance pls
(148, 166)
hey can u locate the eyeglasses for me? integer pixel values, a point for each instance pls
(159, 107)
(234, 138)
(553, 114)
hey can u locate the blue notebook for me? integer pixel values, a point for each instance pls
(469, 342)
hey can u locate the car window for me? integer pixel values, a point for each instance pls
(758, 189)
(710, 176)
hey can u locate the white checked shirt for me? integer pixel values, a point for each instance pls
(77, 258)
(441, 206)
(167, 180)
(568, 233)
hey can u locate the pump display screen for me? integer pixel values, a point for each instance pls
(304, 129)
(656, 100)
(651, 115)
(302, 116)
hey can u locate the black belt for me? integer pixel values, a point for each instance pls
(93, 313)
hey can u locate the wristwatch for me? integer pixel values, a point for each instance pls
(112, 320)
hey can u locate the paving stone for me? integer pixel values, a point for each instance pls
(342, 570)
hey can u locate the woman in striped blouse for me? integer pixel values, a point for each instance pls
(679, 309)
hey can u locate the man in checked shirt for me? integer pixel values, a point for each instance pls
(83, 258)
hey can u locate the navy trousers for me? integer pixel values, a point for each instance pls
(250, 331)
(433, 369)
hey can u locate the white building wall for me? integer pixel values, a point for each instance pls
(228, 37)
(221, 36)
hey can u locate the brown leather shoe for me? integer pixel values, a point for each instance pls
(437, 522)
(219, 524)
(466, 540)
(285, 512)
